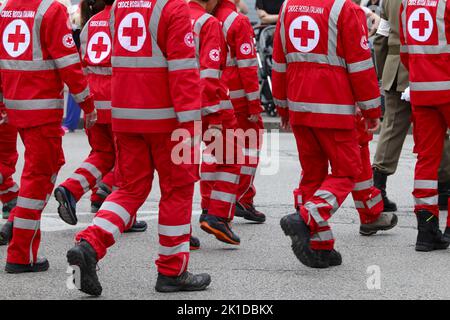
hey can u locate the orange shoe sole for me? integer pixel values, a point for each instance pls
(219, 235)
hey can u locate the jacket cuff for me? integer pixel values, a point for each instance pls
(372, 113)
(87, 105)
(254, 107)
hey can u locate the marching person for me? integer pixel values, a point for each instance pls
(155, 101)
(96, 60)
(397, 116)
(220, 169)
(241, 77)
(317, 44)
(424, 52)
(37, 56)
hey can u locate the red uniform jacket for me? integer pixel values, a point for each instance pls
(37, 55)
(212, 57)
(241, 74)
(96, 48)
(155, 82)
(425, 50)
(323, 65)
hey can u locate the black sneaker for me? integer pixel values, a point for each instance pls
(6, 233)
(67, 205)
(138, 226)
(429, 237)
(7, 208)
(84, 257)
(249, 213)
(294, 227)
(186, 282)
(194, 243)
(220, 228)
(386, 221)
(40, 265)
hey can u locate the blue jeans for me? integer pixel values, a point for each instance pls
(72, 115)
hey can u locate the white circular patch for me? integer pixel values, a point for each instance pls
(420, 25)
(16, 38)
(68, 41)
(189, 40)
(214, 55)
(246, 48)
(364, 43)
(132, 32)
(99, 47)
(304, 33)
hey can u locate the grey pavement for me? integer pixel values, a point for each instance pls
(263, 266)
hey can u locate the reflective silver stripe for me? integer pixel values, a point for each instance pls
(182, 64)
(209, 158)
(84, 39)
(92, 170)
(332, 26)
(117, 210)
(282, 27)
(314, 212)
(236, 94)
(154, 26)
(198, 29)
(226, 105)
(323, 236)
(279, 67)
(139, 62)
(102, 105)
(14, 188)
(82, 96)
(169, 251)
(374, 201)
(360, 66)
(104, 71)
(31, 204)
(228, 23)
(430, 86)
(328, 197)
(315, 58)
(174, 231)
(26, 224)
(419, 49)
(143, 114)
(252, 96)
(299, 199)
(67, 61)
(339, 109)
(40, 12)
(211, 109)
(369, 104)
(359, 205)
(425, 184)
(231, 62)
(223, 196)
(246, 63)
(363, 185)
(251, 152)
(220, 176)
(35, 104)
(430, 201)
(187, 116)
(18, 65)
(107, 226)
(84, 183)
(440, 22)
(249, 171)
(1, 178)
(210, 73)
(280, 103)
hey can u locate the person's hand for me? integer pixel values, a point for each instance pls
(375, 21)
(285, 125)
(372, 125)
(91, 118)
(253, 118)
(3, 117)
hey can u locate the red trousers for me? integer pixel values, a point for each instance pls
(138, 156)
(8, 159)
(252, 135)
(430, 126)
(98, 164)
(43, 159)
(322, 192)
(220, 172)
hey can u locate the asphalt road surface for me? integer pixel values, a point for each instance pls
(384, 266)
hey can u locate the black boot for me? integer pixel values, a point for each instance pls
(85, 258)
(194, 243)
(7, 208)
(446, 236)
(379, 181)
(186, 282)
(40, 265)
(138, 226)
(294, 227)
(220, 228)
(429, 236)
(67, 205)
(249, 213)
(6, 233)
(444, 193)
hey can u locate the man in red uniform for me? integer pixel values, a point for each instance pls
(424, 30)
(37, 56)
(96, 58)
(241, 77)
(322, 67)
(155, 91)
(220, 169)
